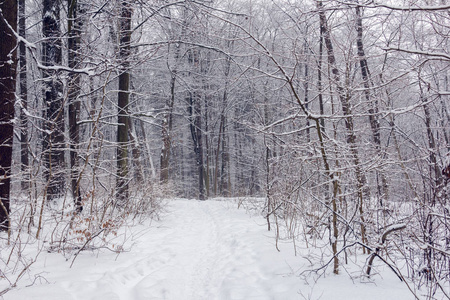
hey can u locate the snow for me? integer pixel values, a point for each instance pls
(198, 250)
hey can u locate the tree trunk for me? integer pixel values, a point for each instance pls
(349, 124)
(54, 142)
(216, 164)
(196, 133)
(207, 146)
(319, 80)
(74, 24)
(373, 119)
(23, 86)
(225, 188)
(435, 182)
(224, 181)
(8, 64)
(167, 126)
(123, 102)
(148, 150)
(135, 152)
(306, 86)
(195, 118)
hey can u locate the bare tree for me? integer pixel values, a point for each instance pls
(344, 97)
(123, 100)
(74, 24)
(195, 116)
(373, 103)
(167, 123)
(8, 64)
(54, 141)
(23, 94)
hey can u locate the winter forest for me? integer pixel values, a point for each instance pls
(329, 119)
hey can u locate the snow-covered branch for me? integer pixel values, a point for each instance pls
(430, 55)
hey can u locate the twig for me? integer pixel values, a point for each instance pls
(332, 258)
(85, 244)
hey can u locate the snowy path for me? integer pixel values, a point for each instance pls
(200, 250)
(205, 255)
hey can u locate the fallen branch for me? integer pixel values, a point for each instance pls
(388, 231)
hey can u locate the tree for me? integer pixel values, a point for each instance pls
(195, 117)
(344, 97)
(167, 123)
(373, 103)
(23, 94)
(8, 64)
(123, 100)
(74, 24)
(54, 141)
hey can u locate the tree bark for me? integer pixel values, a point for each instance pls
(319, 80)
(23, 90)
(216, 164)
(8, 65)
(167, 124)
(123, 102)
(74, 25)
(306, 86)
(135, 152)
(195, 116)
(54, 142)
(196, 133)
(224, 171)
(373, 119)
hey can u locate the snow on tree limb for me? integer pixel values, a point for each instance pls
(390, 229)
(431, 55)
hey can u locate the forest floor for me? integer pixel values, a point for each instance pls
(197, 250)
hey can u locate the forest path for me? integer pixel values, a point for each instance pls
(199, 250)
(206, 250)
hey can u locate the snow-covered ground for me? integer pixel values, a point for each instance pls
(198, 250)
